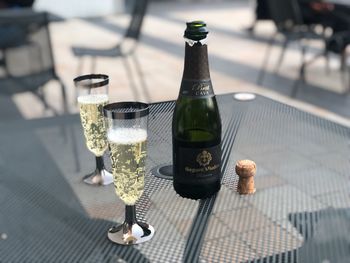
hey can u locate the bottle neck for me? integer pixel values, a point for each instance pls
(196, 62)
(196, 81)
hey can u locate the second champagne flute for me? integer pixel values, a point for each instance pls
(127, 138)
(92, 95)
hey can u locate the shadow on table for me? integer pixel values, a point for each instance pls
(40, 228)
(42, 219)
(326, 236)
(326, 233)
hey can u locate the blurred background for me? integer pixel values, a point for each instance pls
(294, 51)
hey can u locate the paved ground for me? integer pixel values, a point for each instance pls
(235, 59)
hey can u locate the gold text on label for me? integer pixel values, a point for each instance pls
(201, 89)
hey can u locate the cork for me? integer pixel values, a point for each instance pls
(246, 170)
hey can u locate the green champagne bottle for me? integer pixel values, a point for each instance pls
(196, 127)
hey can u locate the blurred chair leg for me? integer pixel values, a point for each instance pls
(297, 82)
(301, 77)
(142, 77)
(328, 68)
(345, 80)
(64, 95)
(302, 68)
(41, 96)
(7, 73)
(130, 77)
(281, 57)
(345, 73)
(326, 52)
(266, 60)
(64, 105)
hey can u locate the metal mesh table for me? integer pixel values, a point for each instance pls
(48, 215)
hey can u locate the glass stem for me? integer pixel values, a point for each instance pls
(130, 214)
(99, 163)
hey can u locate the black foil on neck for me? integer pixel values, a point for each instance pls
(196, 62)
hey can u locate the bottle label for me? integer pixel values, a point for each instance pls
(196, 88)
(199, 163)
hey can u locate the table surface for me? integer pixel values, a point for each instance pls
(300, 210)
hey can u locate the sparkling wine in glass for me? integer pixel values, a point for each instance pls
(92, 95)
(127, 139)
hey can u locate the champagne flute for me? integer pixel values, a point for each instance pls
(127, 139)
(92, 95)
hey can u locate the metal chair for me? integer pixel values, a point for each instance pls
(261, 13)
(337, 45)
(289, 22)
(287, 17)
(27, 59)
(124, 49)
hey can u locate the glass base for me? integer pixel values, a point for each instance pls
(130, 234)
(164, 171)
(102, 177)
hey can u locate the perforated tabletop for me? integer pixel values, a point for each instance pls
(300, 212)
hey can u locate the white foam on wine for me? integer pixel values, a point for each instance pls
(127, 135)
(93, 99)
